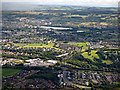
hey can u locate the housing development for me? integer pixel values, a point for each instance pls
(62, 47)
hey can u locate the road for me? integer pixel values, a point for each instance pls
(70, 83)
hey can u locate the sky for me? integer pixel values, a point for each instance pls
(102, 3)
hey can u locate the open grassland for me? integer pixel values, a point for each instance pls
(85, 47)
(20, 44)
(113, 48)
(91, 56)
(107, 61)
(41, 45)
(78, 44)
(9, 71)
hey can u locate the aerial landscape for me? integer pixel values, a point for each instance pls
(60, 47)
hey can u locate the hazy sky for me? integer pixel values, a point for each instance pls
(71, 2)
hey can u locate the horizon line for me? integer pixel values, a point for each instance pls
(35, 3)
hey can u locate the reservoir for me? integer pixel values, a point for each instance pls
(60, 28)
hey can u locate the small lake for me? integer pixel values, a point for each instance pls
(59, 28)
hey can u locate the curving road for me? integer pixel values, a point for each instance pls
(70, 83)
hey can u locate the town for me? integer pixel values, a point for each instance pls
(63, 47)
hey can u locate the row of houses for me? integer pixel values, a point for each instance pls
(45, 49)
(69, 47)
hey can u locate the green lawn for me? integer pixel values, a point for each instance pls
(9, 71)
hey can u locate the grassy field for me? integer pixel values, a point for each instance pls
(34, 44)
(9, 71)
(50, 45)
(93, 54)
(107, 61)
(79, 45)
(41, 45)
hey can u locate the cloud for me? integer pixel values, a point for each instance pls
(72, 2)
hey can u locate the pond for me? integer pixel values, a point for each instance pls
(60, 28)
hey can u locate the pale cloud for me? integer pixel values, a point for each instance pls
(72, 2)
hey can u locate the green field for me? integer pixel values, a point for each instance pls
(79, 45)
(41, 45)
(34, 44)
(107, 61)
(9, 71)
(93, 54)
